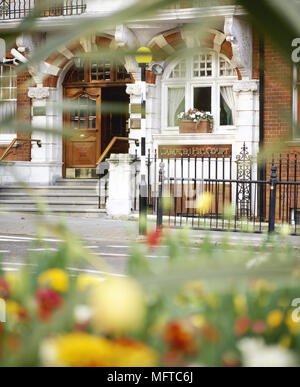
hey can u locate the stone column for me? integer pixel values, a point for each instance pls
(247, 111)
(121, 185)
(45, 161)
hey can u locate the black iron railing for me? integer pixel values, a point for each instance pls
(19, 9)
(236, 199)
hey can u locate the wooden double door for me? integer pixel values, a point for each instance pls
(97, 114)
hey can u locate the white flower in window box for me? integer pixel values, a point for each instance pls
(195, 121)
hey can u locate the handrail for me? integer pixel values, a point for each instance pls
(7, 150)
(112, 143)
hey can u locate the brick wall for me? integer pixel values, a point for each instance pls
(23, 151)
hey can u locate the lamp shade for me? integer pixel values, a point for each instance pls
(143, 55)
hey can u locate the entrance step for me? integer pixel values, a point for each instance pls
(78, 197)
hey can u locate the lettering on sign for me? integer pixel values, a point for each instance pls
(165, 151)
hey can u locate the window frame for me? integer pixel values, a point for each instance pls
(215, 81)
(6, 138)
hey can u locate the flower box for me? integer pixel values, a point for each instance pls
(188, 126)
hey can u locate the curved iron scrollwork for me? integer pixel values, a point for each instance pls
(244, 163)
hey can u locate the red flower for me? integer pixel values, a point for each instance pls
(48, 302)
(242, 326)
(154, 238)
(259, 327)
(4, 289)
(211, 334)
(179, 336)
(172, 359)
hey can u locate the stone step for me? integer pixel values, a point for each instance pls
(77, 182)
(67, 197)
(81, 212)
(58, 204)
(38, 190)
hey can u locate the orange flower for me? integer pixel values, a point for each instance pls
(242, 326)
(179, 336)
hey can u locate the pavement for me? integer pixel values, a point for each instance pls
(108, 240)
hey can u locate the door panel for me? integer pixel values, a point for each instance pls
(83, 149)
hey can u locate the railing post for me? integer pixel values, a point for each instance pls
(272, 206)
(159, 218)
(143, 198)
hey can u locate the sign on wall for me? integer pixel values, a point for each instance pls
(193, 150)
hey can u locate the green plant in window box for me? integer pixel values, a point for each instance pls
(195, 121)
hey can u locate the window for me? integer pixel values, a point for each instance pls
(204, 82)
(8, 92)
(296, 105)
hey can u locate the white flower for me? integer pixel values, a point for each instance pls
(82, 314)
(256, 354)
(193, 116)
(48, 353)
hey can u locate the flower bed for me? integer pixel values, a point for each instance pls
(215, 306)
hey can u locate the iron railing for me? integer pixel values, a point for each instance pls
(19, 9)
(238, 200)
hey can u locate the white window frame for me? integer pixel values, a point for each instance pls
(190, 82)
(6, 138)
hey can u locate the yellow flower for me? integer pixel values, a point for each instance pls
(204, 203)
(84, 281)
(293, 326)
(263, 286)
(76, 350)
(198, 321)
(12, 308)
(118, 305)
(85, 350)
(240, 304)
(213, 301)
(285, 341)
(56, 279)
(275, 318)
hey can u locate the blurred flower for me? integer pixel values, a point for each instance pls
(198, 321)
(154, 238)
(261, 286)
(230, 359)
(275, 318)
(194, 288)
(204, 203)
(172, 358)
(56, 279)
(82, 314)
(15, 311)
(180, 336)
(211, 334)
(4, 288)
(256, 354)
(85, 281)
(76, 350)
(240, 304)
(285, 341)
(118, 305)
(48, 302)
(259, 327)
(242, 325)
(13, 281)
(84, 350)
(213, 301)
(132, 353)
(293, 326)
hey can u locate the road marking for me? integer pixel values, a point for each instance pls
(18, 264)
(111, 255)
(42, 249)
(91, 247)
(4, 251)
(96, 272)
(30, 238)
(119, 247)
(9, 269)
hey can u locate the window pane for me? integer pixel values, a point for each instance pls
(176, 105)
(226, 105)
(202, 66)
(226, 69)
(202, 98)
(179, 71)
